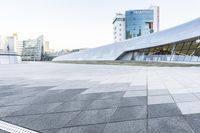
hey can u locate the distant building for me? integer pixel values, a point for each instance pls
(119, 27)
(156, 18)
(46, 46)
(8, 54)
(33, 49)
(18, 44)
(136, 23)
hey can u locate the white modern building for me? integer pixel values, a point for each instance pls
(8, 52)
(119, 27)
(33, 49)
(181, 43)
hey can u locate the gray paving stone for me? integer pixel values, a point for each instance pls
(62, 95)
(8, 101)
(50, 131)
(160, 99)
(169, 125)
(135, 93)
(46, 99)
(133, 101)
(2, 131)
(20, 120)
(194, 122)
(178, 98)
(163, 110)
(158, 92)
(72, 106)
(50, 97)
(138, 87)
(8, 110)
(49, 121)
(23, 101)
(80, 129)
(111, 95)
(129, 113)
(36, 109)
(6, 94)
(80, 97)
(92, 117)
(138, 126)
(106, 103)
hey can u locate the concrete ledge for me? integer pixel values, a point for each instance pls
(135, 63)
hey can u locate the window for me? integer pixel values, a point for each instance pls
(178, 48)
(194, 45)
(186, 46)
(120, 25)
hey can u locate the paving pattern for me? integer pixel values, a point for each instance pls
(69, 98)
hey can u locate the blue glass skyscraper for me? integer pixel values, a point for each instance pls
(139, 22)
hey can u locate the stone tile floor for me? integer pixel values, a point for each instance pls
(69, 98)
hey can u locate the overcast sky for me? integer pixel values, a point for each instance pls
(83, 23)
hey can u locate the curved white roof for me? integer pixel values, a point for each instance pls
(113, 51)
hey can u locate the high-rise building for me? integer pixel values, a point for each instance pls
(136, 23)
(33, 49)
(119, 27)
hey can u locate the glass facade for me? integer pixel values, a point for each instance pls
(185, 51)
(139, 22)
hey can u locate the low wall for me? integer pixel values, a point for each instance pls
(10, 59)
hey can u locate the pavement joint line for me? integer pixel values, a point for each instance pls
(5, 126)
(99, 123)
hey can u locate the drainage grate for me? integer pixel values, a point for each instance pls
(5, 126)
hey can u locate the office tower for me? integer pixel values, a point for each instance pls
(136, 23)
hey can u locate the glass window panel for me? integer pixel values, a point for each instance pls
(187, 58)
(183, 52)
(194, 58)
(167, 50)
(181, 58)
(186, 45)
(178, 48)
(165, 47)
(171, 46)
(197, 52)
(151, 50)
(194, 45)
(191, 52)
(146, 51)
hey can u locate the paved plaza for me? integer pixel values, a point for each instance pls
(75, 98)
